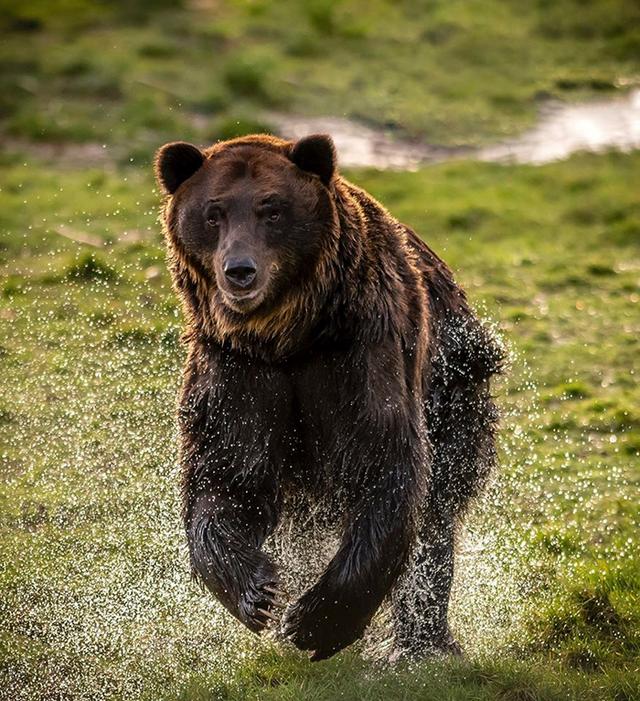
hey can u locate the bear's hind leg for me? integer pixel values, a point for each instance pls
(463, 422)
(421, 600)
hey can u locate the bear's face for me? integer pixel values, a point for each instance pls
(255, 219)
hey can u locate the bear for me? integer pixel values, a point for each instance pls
(332, 363)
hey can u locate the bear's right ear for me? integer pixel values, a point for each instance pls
(175, 163)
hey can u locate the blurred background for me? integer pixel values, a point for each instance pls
(503, 131)
(131, 74)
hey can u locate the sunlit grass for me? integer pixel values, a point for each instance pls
(96, 596)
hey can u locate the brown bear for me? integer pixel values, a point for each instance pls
(333, 362)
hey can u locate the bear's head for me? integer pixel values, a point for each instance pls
(250, 224)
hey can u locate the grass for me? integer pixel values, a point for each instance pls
(96, 598)
(132, 74)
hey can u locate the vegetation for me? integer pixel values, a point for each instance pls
(95, 584)
(95, 596)
(132, 74)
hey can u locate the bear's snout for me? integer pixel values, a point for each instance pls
(240, 272)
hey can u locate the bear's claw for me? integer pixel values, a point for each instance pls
(275, 592)
(261, 605)
(268, 614)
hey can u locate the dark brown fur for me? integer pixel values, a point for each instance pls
(360, 380)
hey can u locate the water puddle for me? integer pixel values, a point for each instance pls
(562, 130)
(567, 128)
(361, 146)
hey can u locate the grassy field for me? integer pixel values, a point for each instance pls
(95, 596)
(130, 73)
(95, 587)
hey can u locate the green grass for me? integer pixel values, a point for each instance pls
(95, 597)
(132, 74)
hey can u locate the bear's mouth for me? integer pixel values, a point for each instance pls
(242, 302)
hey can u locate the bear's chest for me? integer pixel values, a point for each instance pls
(308, 419)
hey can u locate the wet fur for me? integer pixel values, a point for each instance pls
(365, 389)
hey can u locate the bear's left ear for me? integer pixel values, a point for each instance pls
(175, 163)
(315, 154)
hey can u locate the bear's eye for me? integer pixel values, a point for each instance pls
(273, 215)
(213, 217)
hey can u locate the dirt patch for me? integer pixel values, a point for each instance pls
(64, 153)
(562, 129)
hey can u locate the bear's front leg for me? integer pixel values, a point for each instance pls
(225, 533)
(232, 420)
(375, 546)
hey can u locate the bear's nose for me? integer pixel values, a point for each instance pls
(240, 271)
